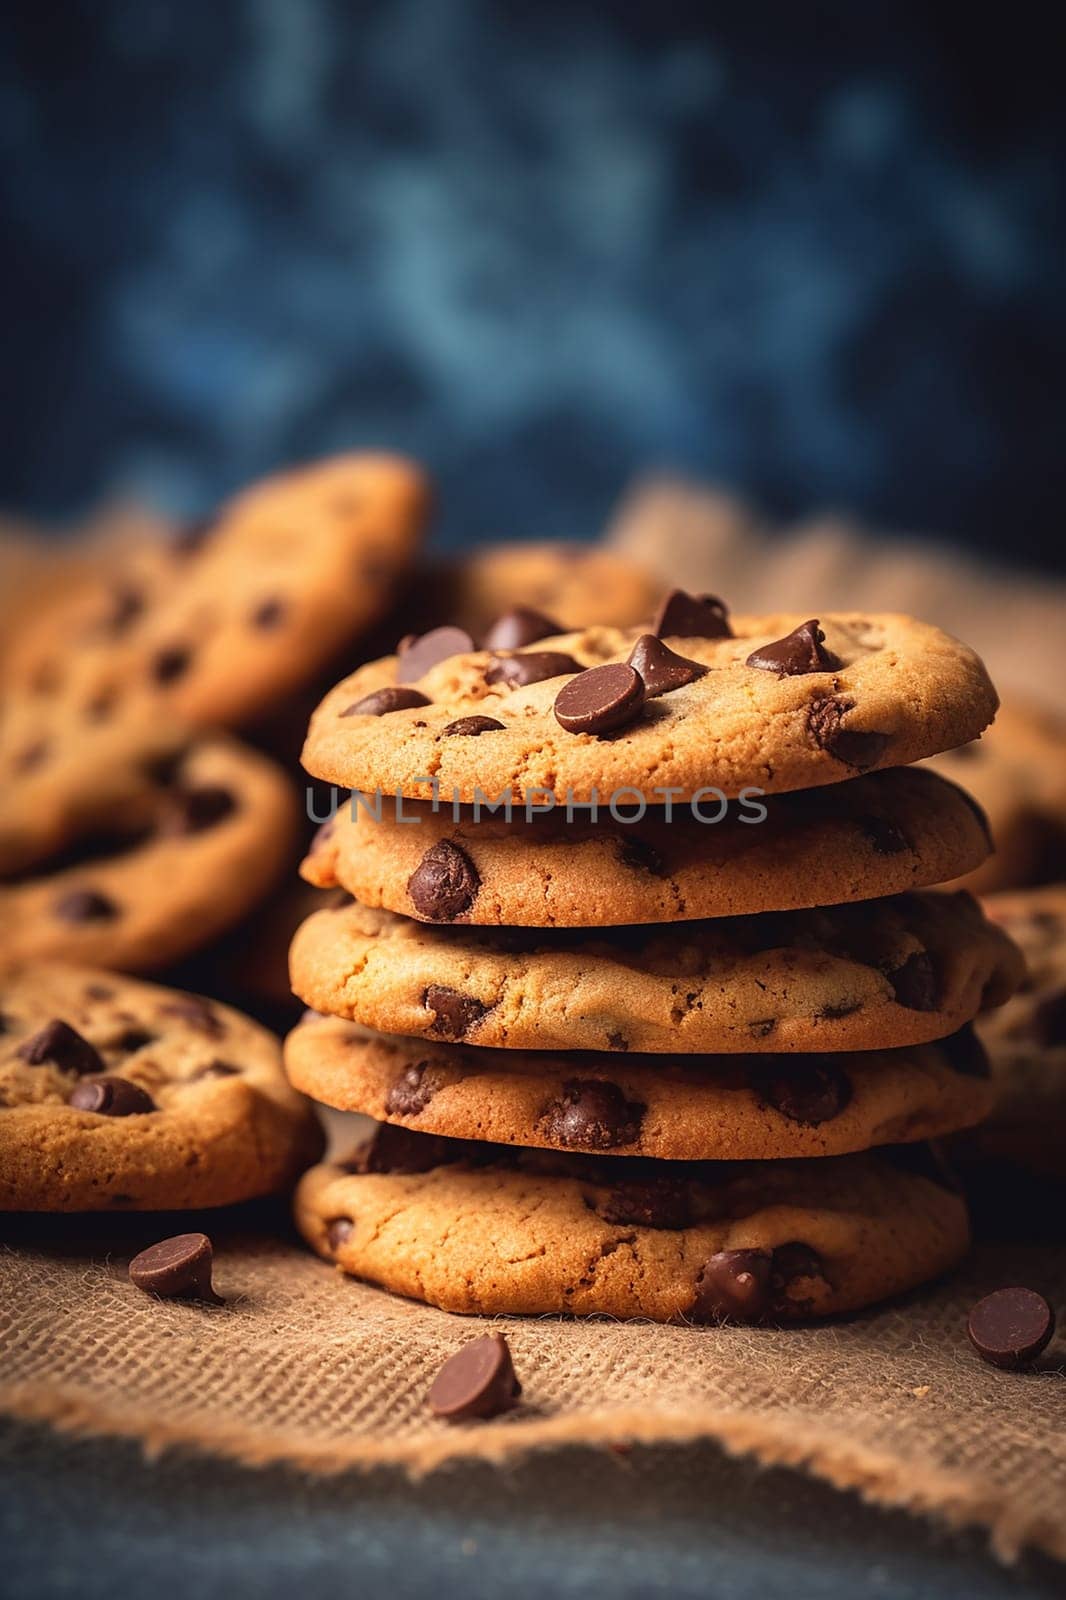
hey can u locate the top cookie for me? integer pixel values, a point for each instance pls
(245, 608)
(776, 704)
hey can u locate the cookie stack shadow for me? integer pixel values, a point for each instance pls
(677, 1060)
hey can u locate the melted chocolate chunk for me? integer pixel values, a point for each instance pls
(454, 1014)
(383, 701)
(444, 884)
(658, 1203)
(885, 837)
(661, 668)
(799, 652)
(593, 1114)
(689, 616)
(641, 857)
(806, 1090)
(63, 1046)
(520, 627)
(600, 700)
(397, 1149)
(417, 655)
(472, 727)
(413, 1089)
(915, 983)
(825, 718)
(197, 1012)
(111, 1096)
(533, 666)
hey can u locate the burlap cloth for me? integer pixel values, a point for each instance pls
(305, 1367)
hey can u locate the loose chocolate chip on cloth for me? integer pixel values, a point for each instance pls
(893, 691)
(873, 836)
(1011, 1327)
(881, 973)
(888, 1402)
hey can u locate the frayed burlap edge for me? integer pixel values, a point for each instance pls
(943, 1497)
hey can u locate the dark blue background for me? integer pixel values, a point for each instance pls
(811, 250)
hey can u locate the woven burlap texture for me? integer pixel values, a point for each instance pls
(306, 1367)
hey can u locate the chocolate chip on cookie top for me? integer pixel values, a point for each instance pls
(777, 703)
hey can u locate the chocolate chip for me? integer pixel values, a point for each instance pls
(661, 668)
(60, 1044)
(762, 1027)
(338, 1231)
(197, 1012)
(98, 991)
(269, 613)
(804, 1090)
(472, 727)
(171, 663)
(100, 707)
(126, 606)
(111, 1096)
(690, 616)
(33, 756)
(177, 1268)
(534, 666)
(836, 1009)
(966, 1054)
(84, 905)
(884, 836)
(600, 699)
(416, 656)
(134, 1039)
(477, 1381)
(445, 882)
(825, 722)
(413, 1090)
(641, 857)
(617, 1041)
(1049, 1020)
(788, 1263)
(382, 701)
(734, 1286)
(215, 1069)
(592, 1114)
(659, 1203)
(1011, 1327)
(195, 810)
(397, 1149)
(454, 1013)
(519, 627)
(799, 652)
(915, 983)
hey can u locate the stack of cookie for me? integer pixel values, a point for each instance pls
(668, 1040)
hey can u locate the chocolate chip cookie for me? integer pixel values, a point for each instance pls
(119, 1095)
(205, 848)
(578, 584)
(1017, 773)
(712, 1108)
(1026, 1041)
(488, 1230)
(884, 973)
(874, 836)
(256, 601)
(697, 700)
